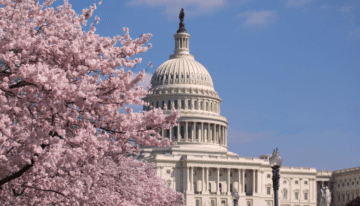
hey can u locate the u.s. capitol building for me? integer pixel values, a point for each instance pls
(200, 166)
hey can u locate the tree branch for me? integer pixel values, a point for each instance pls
(46, 190)
(17, 174)
(21, 84)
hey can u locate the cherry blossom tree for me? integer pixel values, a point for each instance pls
(63, 140)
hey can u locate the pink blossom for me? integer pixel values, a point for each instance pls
(63, 140)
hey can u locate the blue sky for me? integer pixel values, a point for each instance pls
(288, 71)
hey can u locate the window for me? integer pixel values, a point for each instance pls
(268, 204)
(187, 76)
(296, 195)
(163, 104)
(213, 203)
(168, 171)
(172, 76)
(268, 176)
(296, 182)
(182, 76)
(248, 203)
(197, 202)
(168, 183)
(189, 104)
(177, 76)
(182, 104)
(305, 196)
(207, 108)
(157, 104)
(195, 104)
(348, 196)
(305, 182)
(209, 187)
(223, 202)
(201, 105)
(231, 187)
(268, 190)
(352, 183)
(284, 182)
(338, 185)
(176, 104)
(348, 184)
(169, 104)
(284, 194)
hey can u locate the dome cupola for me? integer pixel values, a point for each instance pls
(186, 85)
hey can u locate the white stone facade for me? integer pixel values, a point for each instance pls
(346, 185)
(200, 166)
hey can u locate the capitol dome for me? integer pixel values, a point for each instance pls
(186, 85)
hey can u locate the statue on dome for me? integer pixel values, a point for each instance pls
(181, 24)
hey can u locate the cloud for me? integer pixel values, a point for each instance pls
(144, 84)
(258, 18)
(241, 137)
(146, 81)
(191, 7)
(324, 7)
(297, 4)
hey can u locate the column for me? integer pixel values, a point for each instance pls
(222, 135)
(290, 192)
(178, 131)
(300, 195)
(314, 190)
(187, 179)
(202, 131)
(243, 180)
(208, 133)
(217, 180)
(206, 137)
(179, 100)
(228, 181)
(239, 181)
(253, 186)
(192, 132)
(186, 131)
(202, 181)
(225, 138)
(262, 181)
(207, 180)
(171, 134)
(257, 181)
(192, 179)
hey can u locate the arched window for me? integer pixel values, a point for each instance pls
(284, 194)
(211, 108)
(168, 183)
(176, 104)
(189, 104)
(201, 105)
(162, 104)
(182, 104)
(195, 104)
(207, 106)
(169, 104)
(157, 104)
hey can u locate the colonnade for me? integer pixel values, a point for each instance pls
(238, 182)
(202, 104)
(201, 132)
